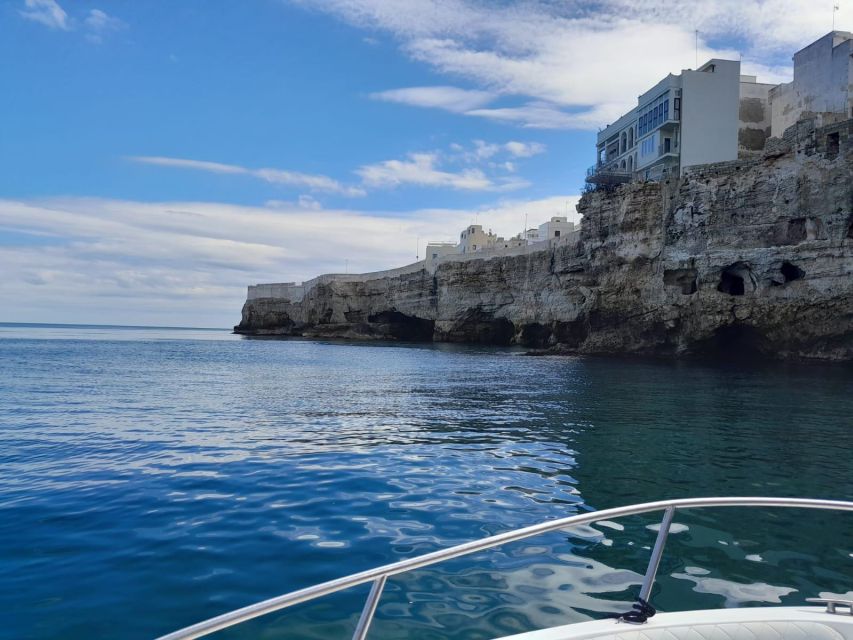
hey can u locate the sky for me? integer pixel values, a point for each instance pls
(157, 157)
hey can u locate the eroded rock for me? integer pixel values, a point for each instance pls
(754, 256)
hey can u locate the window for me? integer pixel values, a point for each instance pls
(666, 145)
(557, 233)
(653, 115)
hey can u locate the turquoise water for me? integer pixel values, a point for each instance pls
(150, 478)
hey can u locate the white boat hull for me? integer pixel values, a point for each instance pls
(759, 623)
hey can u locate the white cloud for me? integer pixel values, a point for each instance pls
(99, 22)
(451, 99)
(188, 263)
(494, 154)
(46, 12)
(578, 64)
(420, 169)
(424, 169)
(306, 202)
(524, 149)
(274, 176)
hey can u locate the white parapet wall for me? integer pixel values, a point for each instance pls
(285, 290)
(296, 292)
(293, 292)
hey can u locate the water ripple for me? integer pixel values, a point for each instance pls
(187, 474)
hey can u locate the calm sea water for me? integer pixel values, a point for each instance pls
(150, 478)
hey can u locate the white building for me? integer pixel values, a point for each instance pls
(556, 227)
(822, 85)
(684, 120)
(715, 114)
(434, 250)
(531, 235)
(474, 238)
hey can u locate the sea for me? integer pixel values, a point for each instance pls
(154, 477)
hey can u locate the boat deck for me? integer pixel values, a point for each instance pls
(758, 623)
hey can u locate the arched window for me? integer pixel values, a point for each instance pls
(630, 164)
(622, 164)
(631, 138)
(624, 142)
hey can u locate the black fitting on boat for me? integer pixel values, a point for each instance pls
(640, 613)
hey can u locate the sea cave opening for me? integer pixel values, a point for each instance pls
(731, 283)
(791, 272)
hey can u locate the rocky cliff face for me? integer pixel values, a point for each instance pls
(750, 256)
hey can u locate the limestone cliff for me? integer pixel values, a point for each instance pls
(754, 255)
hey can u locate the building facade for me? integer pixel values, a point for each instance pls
(473, 238)
(435, 250)
(686, 119)
(822, 86)
(715, 114)
(556, 227)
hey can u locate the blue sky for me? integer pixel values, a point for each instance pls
(157, 157)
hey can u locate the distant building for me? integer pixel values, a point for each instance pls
(823, 77)
(515, 241)
(715, 114)
(556, 227)
(435, 250)
(474, 239)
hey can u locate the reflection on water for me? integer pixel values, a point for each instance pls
(185, 474)
(735, 593)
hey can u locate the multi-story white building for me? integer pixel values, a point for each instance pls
(684, 120)
(715, 114)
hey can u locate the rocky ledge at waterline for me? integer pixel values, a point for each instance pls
(750, 256)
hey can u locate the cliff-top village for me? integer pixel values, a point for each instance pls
(699, 117)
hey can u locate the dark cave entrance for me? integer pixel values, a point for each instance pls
(736, 280)
(731, 283)
(735, 342)
(791, 272)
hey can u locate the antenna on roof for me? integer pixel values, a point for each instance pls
(697, 47)
(835, 8)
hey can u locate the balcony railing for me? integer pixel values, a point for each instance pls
(607, 172)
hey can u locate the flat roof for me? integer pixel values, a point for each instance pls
(843, 35)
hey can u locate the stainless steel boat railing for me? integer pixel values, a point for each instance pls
(379, 575)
